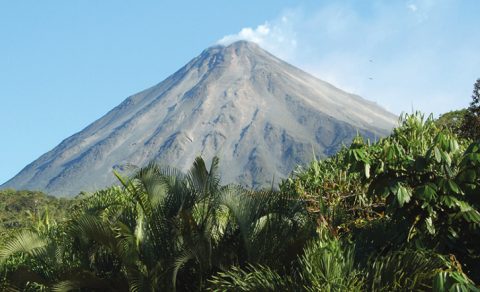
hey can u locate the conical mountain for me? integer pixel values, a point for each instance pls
(260, 115)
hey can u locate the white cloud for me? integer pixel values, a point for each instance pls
(395, 56)
(276, 36)
(257, 35)
(412, 7)
(423, 8)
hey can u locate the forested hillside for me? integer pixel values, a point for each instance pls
(401, 214)
(23, 209)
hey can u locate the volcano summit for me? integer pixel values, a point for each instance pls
(260, 115)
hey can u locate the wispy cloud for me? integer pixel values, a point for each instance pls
(257, 35)
(412, 7)
(398, 55)
(276, 36)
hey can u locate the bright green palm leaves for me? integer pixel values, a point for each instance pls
(165, 230)
(326, 264)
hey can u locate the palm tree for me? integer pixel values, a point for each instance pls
(165, 230)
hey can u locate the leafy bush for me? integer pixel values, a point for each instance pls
(418, 187)
(430, 185)
(470, 127)
(452, 121)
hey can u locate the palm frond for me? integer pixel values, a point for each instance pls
(89, 281)
(327, 265)
(453, 281)
(412, 270)
(24, 241)
(252, 278)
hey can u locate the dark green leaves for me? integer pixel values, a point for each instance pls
(467, 176)
(429, 184)
(453, 187)
(426, 192)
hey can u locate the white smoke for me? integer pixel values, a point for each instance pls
(277, 37)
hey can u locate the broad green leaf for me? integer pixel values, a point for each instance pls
(472, 216)
(454, 187)
(429, 224)
(446, 158)
(453, 145)
(464, 206)
(390, 154)
(449, 201)
(426, 192)
(403, 195)
(359, 154)
(449, 170)
(437, 153)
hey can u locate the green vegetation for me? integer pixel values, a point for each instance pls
(453, 121)
(471, 123)
(418, 189)
(465, 123)
(401, 214)
(23, 209)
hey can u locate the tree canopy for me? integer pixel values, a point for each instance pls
(471, 124)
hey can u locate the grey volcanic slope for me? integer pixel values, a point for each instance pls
(260, 115)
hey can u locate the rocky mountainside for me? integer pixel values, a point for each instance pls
(260, 115)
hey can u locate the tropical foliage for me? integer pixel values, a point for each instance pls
(401, 214)
(453, 121)
(23, 209)
(470, 127)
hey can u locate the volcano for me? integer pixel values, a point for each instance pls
(259, 114)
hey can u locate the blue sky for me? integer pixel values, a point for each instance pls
(63, 64)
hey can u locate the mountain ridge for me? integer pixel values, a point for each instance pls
(238, 102)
